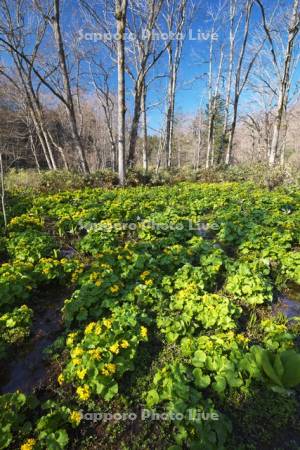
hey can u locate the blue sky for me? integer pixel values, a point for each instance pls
(192, 79)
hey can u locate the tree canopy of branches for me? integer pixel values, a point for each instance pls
(107, 83)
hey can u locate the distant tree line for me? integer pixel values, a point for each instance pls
(72, 99)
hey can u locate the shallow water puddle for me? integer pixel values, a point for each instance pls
(27, 369)
(289, 302)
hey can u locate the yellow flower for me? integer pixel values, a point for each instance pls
(144, 274)
(75, 417)
(98, 329)
(98, 283)
(93, 276)
(77, 351)
(114, 289)
(144, 332)
(70, 339)
(124, 344)
(60, 379)
(81, 373)
(149, 282)
(90, 328)
(109, 369)
(107, 323)
(95, 354)
(74, 277)
(114, 348)
(29, 444)
(241, 338)
(83, 392)
(76, 361)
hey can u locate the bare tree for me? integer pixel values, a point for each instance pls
(262, 87)
(213, 96)
(197, 131)
(213, 93)
(145, 56)
(240, 82)
(14, 32)
(176, 19)
(29, 66)
(120, 14)
(107, 101)
(69, 103)
(235, 17)
(283, 72)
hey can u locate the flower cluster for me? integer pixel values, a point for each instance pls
(102, 353)
(29, 444)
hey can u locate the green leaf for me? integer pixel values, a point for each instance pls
(268, 368)
(5, 436)
(220, 384)
(201, 381)
(199, 358)
(112, 391)
(278, 366)
(291, 362)
(57, 440)
(152, 398)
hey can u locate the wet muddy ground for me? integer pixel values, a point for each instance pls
(289, 302)
(27, 367)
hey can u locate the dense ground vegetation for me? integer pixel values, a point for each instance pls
(171, 309)
(18, 181)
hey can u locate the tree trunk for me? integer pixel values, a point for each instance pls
(173, 65)
(174, 62)
(160, 149)
(33, 149)
(46, 138)
(135, 123)
(120, 14)
(199, 142)
(229, 76)
(232, 131)
(145, 131)
(283, 147)
(67, 88)
(172, 122)
(239, 85)
(41, 137)
(59, 149)
(210, 108)
(38, 112)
